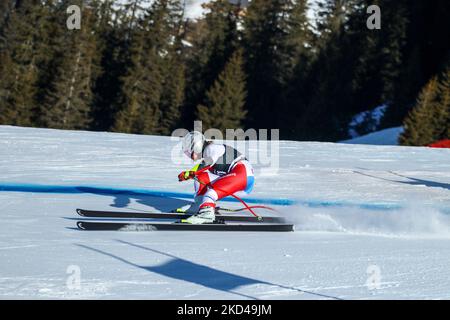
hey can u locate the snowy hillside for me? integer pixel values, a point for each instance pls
(382, 137)
(372, 222)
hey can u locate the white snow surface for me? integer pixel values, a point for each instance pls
(382, 137)
(372, 222)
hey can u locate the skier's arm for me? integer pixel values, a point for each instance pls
(190, 174)
(211, 154)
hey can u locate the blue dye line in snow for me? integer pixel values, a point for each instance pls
(343, 204)
(102, 190)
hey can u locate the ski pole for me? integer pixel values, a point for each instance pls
(244, 208)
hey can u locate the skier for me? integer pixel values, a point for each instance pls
(221, 172)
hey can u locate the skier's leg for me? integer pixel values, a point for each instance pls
(205, 211)
(200, 188)
(205, 190)
(203, 180)
(239, 179)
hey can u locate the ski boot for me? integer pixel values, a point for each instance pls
(204, 215)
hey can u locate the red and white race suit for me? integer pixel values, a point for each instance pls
(229, 172)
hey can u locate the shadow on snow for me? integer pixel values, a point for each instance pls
(411, 180)
(185, 270)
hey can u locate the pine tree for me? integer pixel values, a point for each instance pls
(378, 55)
(418, 129)
(424, 52)
(373, 58)
(48, 55)
(8, 109)
(151, 46)
(276, 35)
(18, 63)
(392, 40)
(428, 120)
(141, 91)
(170, 17)
(172, 97)
(111, 45)
(68, 99)
(141, 84)
(225, 100)
(328, 85)
(299, 54)
(5, 10)
(214, 38)
(354, 69)
(331, 19)
(442, 124)
(299, 37)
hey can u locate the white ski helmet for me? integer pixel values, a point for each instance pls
(193, 143)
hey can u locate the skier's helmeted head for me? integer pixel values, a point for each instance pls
(193, 145)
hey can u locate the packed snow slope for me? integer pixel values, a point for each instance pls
(372, 222)
(382, 137)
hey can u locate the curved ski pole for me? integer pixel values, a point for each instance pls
(234, 196)
(244, 208)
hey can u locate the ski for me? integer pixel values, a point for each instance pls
(146, 215)
(119, 226)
